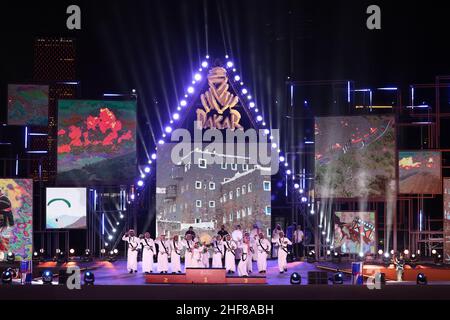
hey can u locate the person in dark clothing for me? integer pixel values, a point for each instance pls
(222, 232)
(191, 232)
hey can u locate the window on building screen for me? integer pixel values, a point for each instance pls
(266, 185)
(243, 213)
(249, 211)
(212, 186)
(226, 179)
(231, 217)
(198, 203)
(224, 166)
(231, 195)
(202, 163)
(250, 187)
(198, 184)
(212, 204)
(245, 167)
(234, 166)
(244, 189)
(268, 210)
(238, 214)
(238, 192)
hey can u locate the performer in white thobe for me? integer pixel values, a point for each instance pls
(175, 254)
(283, 244)
(245, 256)
(249, 253)
(275, 237)
(263, 248)
(148, 252)
(253, 241)
(237, 236)
(133, 248)
(218, 251)
(230, 262)
(163, 254)
(205, 255)
(197, 256)
(188, 244)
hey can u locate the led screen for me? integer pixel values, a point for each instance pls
(419, 172)
(66, 208)
(16, 218)
(27, 104)
(354, 156)
(96, 141)
(354, 232)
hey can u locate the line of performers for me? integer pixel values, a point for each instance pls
(225, 252)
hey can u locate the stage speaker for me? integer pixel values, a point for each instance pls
(62, 276)
(317, 277)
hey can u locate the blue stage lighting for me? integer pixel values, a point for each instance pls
(296, 278)
(89, 278)
(338, 278)
(421, 279)
(47, 277)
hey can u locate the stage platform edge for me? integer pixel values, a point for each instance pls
(201, 276)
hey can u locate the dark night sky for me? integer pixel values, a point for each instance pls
(154, 46)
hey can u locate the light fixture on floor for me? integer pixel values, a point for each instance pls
(296, 278)
(89, 278)
(10, 257)
(47, 277)
(338, 278)
(421, 279)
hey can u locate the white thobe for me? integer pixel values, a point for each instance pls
(188, 253)
(163, 255)
(148, 252)
(230, 263)
(132, 254)
(197, 258)
(264, 247)
(218, 254)
(243, 263)
(283, 253)
(205, 257)
(175, 255)
(254, 235)
(237, 236)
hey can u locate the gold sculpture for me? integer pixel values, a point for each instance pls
(218, 103)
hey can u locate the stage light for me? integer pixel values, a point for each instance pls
(61, 257)
(266, 131)
(116, 251)
(112, 257)
(133, 90)
(72, 251)
(140, 183)
(296, 186)
(323, 232)
(87, 256)
(288, 172)
(205, 63)
(421, 279)
(386, 254)
(251, 104)
(406, 252)
(102, 251)
(312, 211)
(433, 251)
(296, 278)
(132, 196)
(301, 191)
(168, 129)
(229, 64)
(47, 277)
(256, 110)
(274, 145)
(244, 91)
(237, 78)
(176, 116)
(328, 252)
(304, 199)
(7, 277)
(380, 252)
(114, 230)
(142, 176)
(249, 97)
(153, 156)
(198, 77)
(361, 254)
(161, 142)
(311, 257)
(147, 169)
(89, 278)
(226, 56)
(259, 118)
(10, 257)
(338, 278)
(418, 252)
(183, 103)
(392, 252)
(282, 159)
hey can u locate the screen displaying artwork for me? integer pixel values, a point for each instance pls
(16, 218)
(354, 156)
(27, 105)
(96, 141)
(447, 220)
(66, 208)
(355, 232)
(419, 172)
(206, 195)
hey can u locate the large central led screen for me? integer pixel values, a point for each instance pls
(354, 156)
(96, 141)
(208, 195)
